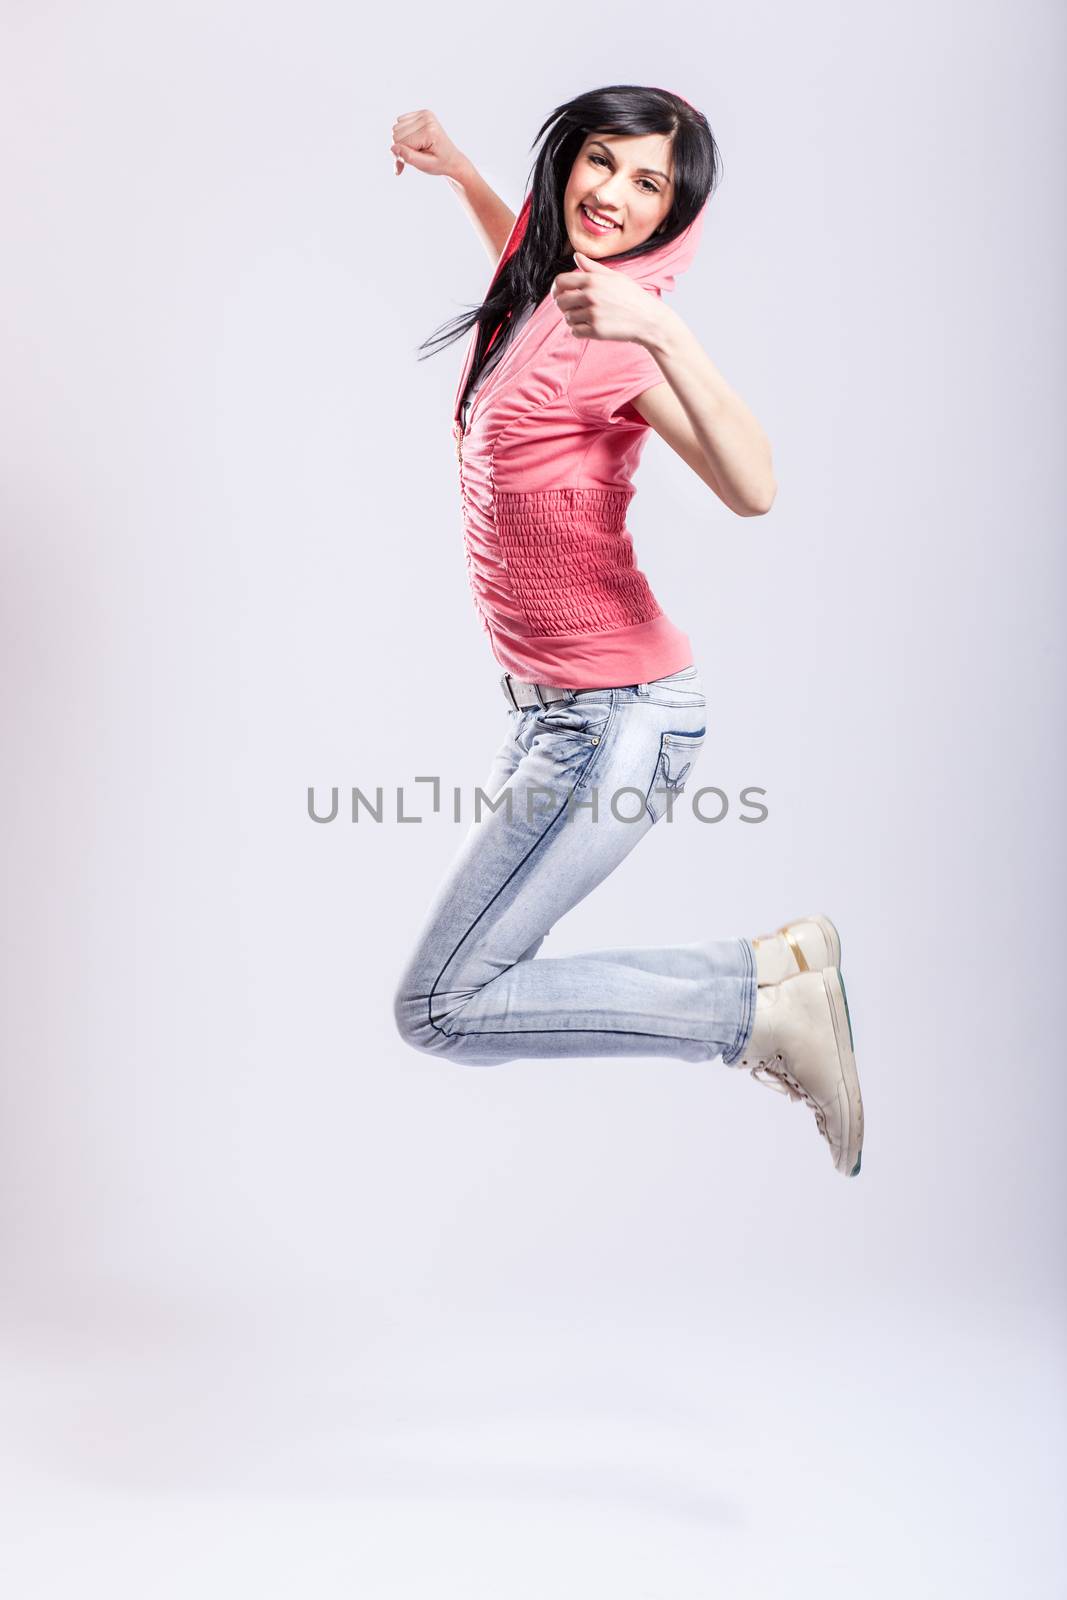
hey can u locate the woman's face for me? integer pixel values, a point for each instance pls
(625, 181)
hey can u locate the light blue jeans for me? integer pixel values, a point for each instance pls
(573, 788)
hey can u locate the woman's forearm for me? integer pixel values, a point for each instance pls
(735, 446)
(492, 219)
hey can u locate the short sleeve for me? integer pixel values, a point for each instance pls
(609, 375)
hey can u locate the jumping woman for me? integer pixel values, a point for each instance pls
(573, 356)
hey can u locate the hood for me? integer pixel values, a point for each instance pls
(659, 269)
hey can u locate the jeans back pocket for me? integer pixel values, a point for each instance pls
(678, 750)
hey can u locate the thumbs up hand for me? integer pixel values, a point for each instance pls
(599, 303)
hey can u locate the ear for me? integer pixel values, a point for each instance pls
(587, 264)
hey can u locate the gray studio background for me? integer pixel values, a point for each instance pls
(287, 1308)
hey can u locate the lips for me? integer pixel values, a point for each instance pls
(593, 224)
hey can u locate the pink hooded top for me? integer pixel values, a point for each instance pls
(545, 467)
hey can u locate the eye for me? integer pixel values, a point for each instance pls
(648, 187)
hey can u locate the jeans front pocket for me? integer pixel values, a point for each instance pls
(678, 750)
(586, 716)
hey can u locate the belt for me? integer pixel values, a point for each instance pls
(519, 694)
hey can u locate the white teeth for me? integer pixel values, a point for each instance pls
(605, 222)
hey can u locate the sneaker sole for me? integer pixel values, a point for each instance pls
(832, 937)
(842, 1020)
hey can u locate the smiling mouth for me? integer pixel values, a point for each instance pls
(598, 225)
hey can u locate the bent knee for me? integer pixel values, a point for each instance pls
(416, 1021)
(427, 1022)
(411, 1015)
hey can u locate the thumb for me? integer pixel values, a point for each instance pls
(588, 264)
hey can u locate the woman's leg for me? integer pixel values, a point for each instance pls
(573, 775)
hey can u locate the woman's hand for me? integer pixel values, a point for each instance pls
(420, 141)
(598, 303)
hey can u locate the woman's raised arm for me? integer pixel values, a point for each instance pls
(420, 141)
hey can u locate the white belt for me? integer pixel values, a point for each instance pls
(520, 695)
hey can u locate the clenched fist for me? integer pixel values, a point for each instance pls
(420, 141)
(598, 303)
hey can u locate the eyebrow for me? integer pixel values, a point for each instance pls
(653, 171)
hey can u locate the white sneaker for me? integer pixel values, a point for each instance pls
(801, 1045)
(806, 945)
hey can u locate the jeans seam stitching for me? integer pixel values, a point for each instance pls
(595, 751)
(750, 1004)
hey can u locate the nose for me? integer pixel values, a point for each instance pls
(610, 192)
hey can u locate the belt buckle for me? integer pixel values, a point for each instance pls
(541, 701)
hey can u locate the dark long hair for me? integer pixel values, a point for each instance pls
(545, 249)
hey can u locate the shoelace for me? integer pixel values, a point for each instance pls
(773, 1071)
